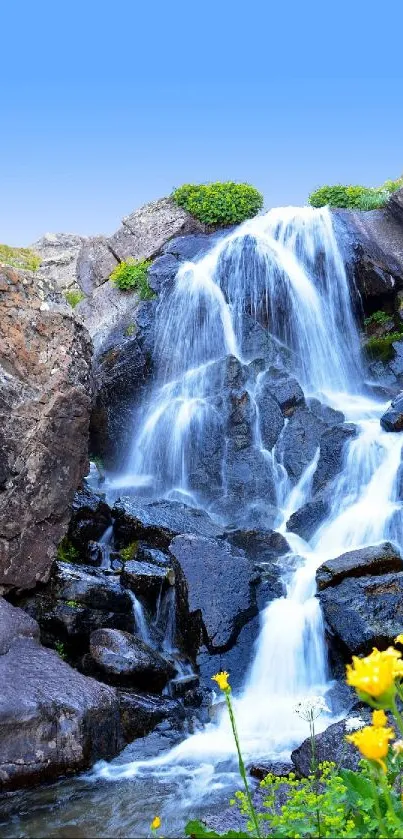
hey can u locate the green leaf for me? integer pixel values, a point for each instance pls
(356, 784)
(197, 829)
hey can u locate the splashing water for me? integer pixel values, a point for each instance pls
(284, 272)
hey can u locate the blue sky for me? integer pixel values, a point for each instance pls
(108, 105)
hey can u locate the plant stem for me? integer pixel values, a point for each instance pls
(241, 764)
(384, 786)
(373, 780)
(397, 715)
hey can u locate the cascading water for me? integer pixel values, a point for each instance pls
(285, 272)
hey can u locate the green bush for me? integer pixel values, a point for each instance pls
(354, 197)
(381, 348)
(379, 318)
(74, 296)
(20, 258)
(66, 552)
(128, 553)
(219, 203)
(132, 276)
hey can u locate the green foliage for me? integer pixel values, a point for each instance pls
(74, 604)
(381, 348)
(59, 647)
(219, 203)
(66, 552)
(20, 258)
(130, 330)
(354, 197)
(379, 318)
(74, 296)
(132, 276)
(128, 553)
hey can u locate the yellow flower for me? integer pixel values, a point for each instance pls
(399, 639)
(379, 719)
(156, 823)
(372, 742)
(222, 680)
(375, 674)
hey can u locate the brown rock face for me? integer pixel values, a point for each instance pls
(45, 402)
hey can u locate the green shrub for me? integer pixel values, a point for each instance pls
(219, 203)
(60, 649)
(132, 276)
(354, 197)
(380, 318)
(66, 552)
(20, 258)
(381, 348)
(74, 296)
(130, 330)
(74, 604)
(128, 553)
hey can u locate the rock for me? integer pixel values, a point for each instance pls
(309, 517)
(248, 478)
(363, 612)
(157, 523)
(379, 559)
(162, 272)
(373, 246)
(299, 441)
(332, 451)
(235, 661)
(59, 253)
(146, 578)
(91, 516)
(392, 419)
(53, 720)
(95, 263)
(45, 399)
(215, 592)
(259, 545)
(330, 745)
(395, 205)
(126, 659)
(271, 418)
(194, 246)
(107, 309)
(146, 231)
(279, 768)
(284, 388)
(140, 713)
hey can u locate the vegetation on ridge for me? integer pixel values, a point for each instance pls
(74, 296)
(19, 258)
(354, 197)
(132, 276)
(219, 203)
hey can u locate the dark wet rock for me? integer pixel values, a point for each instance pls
(333, 444)
(363, 612)
(90, 517)
(395, 205)
(279, 768)
(395, 366)
(182, 685)
(219, 599)
(241, 418)
(162, 272)
(146, 578)
(140, 713)
(392, 419)
(285, 389)
(328, 415)
(379, 559)
(89, 587)
(157, 523)
(95, 263)
(259, 545)
(373, 246)
(299, 441)
(256, 342)
(153, 556)
(248, 478)
(192, 247)
(53, 720)
(235, 661)
(45, 404)
(271, 418)
(330, 745)
(309, 517)
(125, 659)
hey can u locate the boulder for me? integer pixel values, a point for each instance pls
(107, 308)
(214, 589)
(331, 456)
(374, 560)
(306, 521)
(91, 516)
(392, 419)
(59, 253)
(53, 720)
(259, 545)
(285, 389)
(235, 661)
(147, 579)
(145, 231)
(157, 523)
(45, 402)
(141, 712)
(363, 612)
(271, 419)
(125, 659)
(395, 206)
(162, 272)
(373, 247)
(95, 263)
(300, 440)
(331, 745)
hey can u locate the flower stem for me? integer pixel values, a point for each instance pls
(241, 764)
(397, 715)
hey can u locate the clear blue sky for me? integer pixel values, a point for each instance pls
(107, 105)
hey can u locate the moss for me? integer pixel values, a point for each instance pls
(219, 203)
(130, 330)
(60, 649)
(128, 553)
(132, 276)
(74, 604)
(66, 552)
(20, 258)
(379, 318)
(74, 296)
(381, 348)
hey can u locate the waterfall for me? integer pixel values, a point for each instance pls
(140, 620)
(282, 274)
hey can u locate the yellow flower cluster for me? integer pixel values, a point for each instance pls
(373, 740)
(375, 674)
(156, 823)
(222, 680)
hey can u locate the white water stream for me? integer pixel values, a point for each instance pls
(285, 270)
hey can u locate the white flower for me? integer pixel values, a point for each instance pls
(311, 708)
(353, 723)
